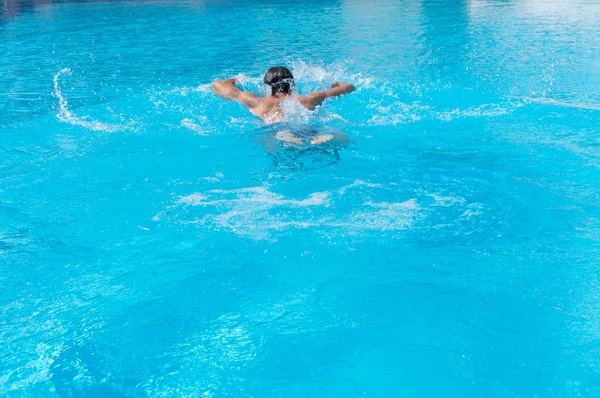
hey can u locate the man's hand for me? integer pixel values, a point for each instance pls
(344, 87)
(315, 99)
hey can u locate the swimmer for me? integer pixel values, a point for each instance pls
(269, 109)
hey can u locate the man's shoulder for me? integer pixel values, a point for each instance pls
(306, 100)
(267, 102)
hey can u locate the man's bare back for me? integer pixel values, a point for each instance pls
(269, 109)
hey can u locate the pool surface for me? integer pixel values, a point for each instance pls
(155, 241)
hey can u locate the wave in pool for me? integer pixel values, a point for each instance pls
(258, 212)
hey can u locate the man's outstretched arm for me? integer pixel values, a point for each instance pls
(337, 89)
(227, 89)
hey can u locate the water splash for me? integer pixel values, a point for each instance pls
(257, 212)
(403, 113)
(189, 124)
(323, 75)
(259, 196)
(65, 115)
(565, 104)
(295, 112)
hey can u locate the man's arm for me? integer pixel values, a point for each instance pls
(227, 89)
(337, 89)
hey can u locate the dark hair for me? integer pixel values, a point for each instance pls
(280, 79)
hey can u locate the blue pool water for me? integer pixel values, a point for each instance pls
(154, 244)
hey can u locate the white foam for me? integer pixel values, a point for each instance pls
(258, 213)
(326, 75)
(255, 195)
(403, 113)
(189, 124)
(203, 88)
(194, 199)
(566, 104)
(394, 216)
(485, 110)
(396, 113)
(243, 79)
(311, 73)
(184, 91)
(357, 183)
(209, 179)
(446, 201)
(251, 211)
(294, 111)
(65, 115)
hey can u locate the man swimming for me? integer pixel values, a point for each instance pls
(269, 109)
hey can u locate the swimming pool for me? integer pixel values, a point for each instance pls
(151, 244)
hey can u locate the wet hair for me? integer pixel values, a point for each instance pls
(280, 79)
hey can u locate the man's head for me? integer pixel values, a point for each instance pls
(280, 79)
